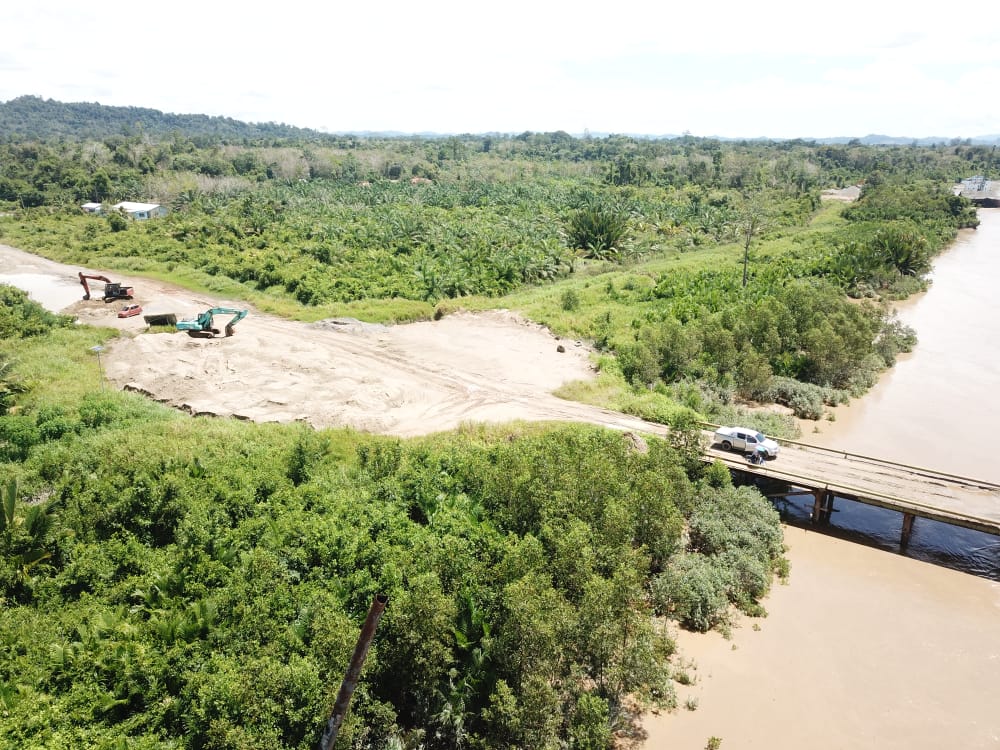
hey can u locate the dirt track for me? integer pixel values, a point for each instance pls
(401, 380)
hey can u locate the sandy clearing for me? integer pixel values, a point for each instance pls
(402, 380)
(844, 195)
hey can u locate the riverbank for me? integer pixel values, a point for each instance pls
(925, 410)
(861, 649)
(866, 648)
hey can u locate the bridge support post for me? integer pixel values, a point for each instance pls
(904, 539)
(823, 505)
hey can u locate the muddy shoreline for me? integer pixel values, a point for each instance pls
(865, 648)
(861, 649)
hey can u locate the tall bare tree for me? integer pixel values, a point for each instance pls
(751, 221)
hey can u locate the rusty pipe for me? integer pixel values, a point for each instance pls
(353, 672)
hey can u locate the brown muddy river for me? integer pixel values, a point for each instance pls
(938, 406)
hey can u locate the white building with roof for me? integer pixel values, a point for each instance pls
(140, 211)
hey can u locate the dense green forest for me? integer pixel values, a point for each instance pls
(179, 582)
(31, 117)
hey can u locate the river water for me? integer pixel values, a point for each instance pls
(867, 649)
(936, 408)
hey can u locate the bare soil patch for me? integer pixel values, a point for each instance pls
(845, 195)
(403, 380)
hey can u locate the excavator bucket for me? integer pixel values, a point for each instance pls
(160, 319)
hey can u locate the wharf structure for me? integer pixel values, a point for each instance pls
(981, 191)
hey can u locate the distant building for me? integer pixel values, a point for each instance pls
(91, 208)
(140, 211)
(979, 190)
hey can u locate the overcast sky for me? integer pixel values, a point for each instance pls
(736, 69)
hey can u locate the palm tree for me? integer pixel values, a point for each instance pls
(10, 386)
(904, 250)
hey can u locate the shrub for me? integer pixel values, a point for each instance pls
(105, 409)
(589, 729)
(255, 702)
(748, 578)
(866, 375)
(737, 537)
(717, 476)
(570, 300)
(735, 518)
(18, 434)
(54, 422)
(693, 591)
(805, 399)
(11, 386)
(117, 222)
(806, 403)
(753, 373)
(895, 337)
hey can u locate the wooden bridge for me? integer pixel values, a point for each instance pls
(914, 491)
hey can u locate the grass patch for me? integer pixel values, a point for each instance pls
(60, 367)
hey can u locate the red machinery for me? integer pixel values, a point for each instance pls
(112, 291)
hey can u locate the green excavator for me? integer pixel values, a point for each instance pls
(203, 325)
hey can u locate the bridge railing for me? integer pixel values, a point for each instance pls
(984, 484)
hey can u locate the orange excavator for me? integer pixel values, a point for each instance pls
(112, 291)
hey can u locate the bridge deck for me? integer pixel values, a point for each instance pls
(915, 490)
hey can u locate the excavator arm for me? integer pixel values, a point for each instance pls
(231, 325)
(112, 290)
(86, 287)
(203, 324)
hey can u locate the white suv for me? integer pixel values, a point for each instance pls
(744, 439)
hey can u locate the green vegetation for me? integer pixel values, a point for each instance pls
(689, 260)
(172, 582)
(169, 581)
(33, 117)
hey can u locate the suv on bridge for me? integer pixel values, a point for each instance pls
(746, 440)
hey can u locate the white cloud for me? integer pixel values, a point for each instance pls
(772, 68)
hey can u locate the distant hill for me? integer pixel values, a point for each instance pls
(869, 140)
(30, 117)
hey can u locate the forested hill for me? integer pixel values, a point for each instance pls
(31, 117)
